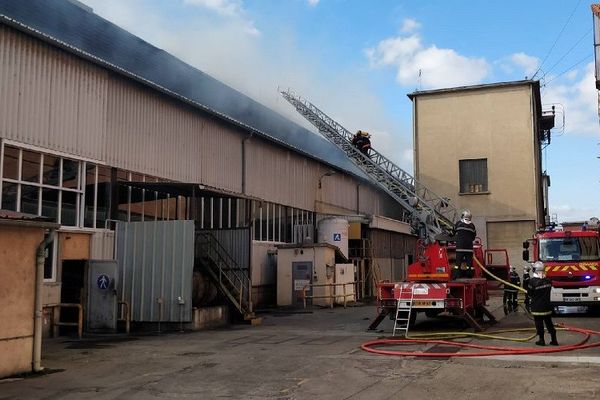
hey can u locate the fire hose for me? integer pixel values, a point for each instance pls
(485, 350)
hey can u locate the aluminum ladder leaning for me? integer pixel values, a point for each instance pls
(403, 310)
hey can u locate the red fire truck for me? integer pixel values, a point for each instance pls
(572, 262)
(429, 288)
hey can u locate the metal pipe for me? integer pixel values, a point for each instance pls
(39, 287)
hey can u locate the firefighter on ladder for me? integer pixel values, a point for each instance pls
(509, 300)
(465, 233)
(541, 308)
(362, 142)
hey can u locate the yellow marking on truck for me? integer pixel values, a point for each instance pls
(574, 267)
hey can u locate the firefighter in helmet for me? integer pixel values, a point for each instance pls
(464, 232)
(509, 300)
(362, 142)
(526, 278)
(541, 308)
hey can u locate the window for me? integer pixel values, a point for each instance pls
(473, 176)
(41, 184)
(50, 261)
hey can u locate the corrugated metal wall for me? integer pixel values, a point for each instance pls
(237, 243)
(57, 101)
(156, 263)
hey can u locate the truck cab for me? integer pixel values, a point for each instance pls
(572, 262)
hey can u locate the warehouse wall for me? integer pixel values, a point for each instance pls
(53, 100)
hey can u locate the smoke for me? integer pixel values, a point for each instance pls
(257, 66)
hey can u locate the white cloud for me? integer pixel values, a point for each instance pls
(437, 67)
(312, 3)
(579, 99)
(223, 7)
(410, 25)
(529, 64)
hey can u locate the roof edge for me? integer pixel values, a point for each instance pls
(472, 87)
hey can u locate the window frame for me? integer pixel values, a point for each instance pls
(485, 184)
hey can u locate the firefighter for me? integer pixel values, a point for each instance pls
(526, 278)
(465, 233)
(362, 142)
(541, 308)
(510, 293)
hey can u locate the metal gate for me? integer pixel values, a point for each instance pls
(156, 261)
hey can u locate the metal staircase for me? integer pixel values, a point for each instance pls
(232, 280)
(432, 214)
(404, 311)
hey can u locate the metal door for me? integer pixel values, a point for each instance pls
(101, 305)
(301, 276)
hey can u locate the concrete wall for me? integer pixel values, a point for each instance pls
(496, 123)
(320, 257)
(17, 269)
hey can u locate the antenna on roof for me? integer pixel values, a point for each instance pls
(420, 80)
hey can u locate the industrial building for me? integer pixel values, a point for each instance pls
(481, 147)
(151, 169)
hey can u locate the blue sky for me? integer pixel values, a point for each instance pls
(357, 60)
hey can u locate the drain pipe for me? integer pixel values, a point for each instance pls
(39, 287)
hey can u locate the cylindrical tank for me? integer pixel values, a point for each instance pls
(334, 231)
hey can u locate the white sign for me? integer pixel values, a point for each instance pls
(299, 284)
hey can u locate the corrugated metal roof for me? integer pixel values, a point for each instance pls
(84, 33)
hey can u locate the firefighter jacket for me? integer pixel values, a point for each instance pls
(513, 278)
(539, 292)
(526, 279)
(465, 235)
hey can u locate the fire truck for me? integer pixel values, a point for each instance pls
(572, 262)
(428, 287)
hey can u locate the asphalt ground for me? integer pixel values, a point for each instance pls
(306, 355)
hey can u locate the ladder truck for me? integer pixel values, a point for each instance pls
(428, 287)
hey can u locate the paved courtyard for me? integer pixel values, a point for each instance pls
(303, 355)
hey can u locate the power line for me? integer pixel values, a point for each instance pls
(567, 53)
(558, 37)
(569, 69)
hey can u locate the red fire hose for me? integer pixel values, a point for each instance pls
(374, 347)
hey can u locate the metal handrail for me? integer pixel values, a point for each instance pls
(56, 320)
(330, 296)
(232, 274)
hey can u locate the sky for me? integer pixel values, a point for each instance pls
(357, 59)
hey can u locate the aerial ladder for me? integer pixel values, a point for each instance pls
(431, 215)
(429, 287)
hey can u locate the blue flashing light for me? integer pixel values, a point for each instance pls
(588, 277)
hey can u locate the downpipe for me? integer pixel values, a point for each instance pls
(39, 287)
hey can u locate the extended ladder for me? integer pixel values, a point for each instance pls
(403, 310)
(434, 213)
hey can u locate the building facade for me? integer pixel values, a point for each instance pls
(99, 127)
(481, 146)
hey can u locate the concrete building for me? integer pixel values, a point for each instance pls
(481, 147)
(99, 129)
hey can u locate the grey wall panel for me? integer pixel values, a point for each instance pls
(236, 242)
(156, 261)
(50, 99)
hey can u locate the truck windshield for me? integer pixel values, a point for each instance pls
(569, 249)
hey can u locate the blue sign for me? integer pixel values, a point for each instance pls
(337, 237)
(103, 281)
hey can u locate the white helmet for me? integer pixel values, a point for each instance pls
(538, 267)
(526, 269)
(513, 269)
(466, 215)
